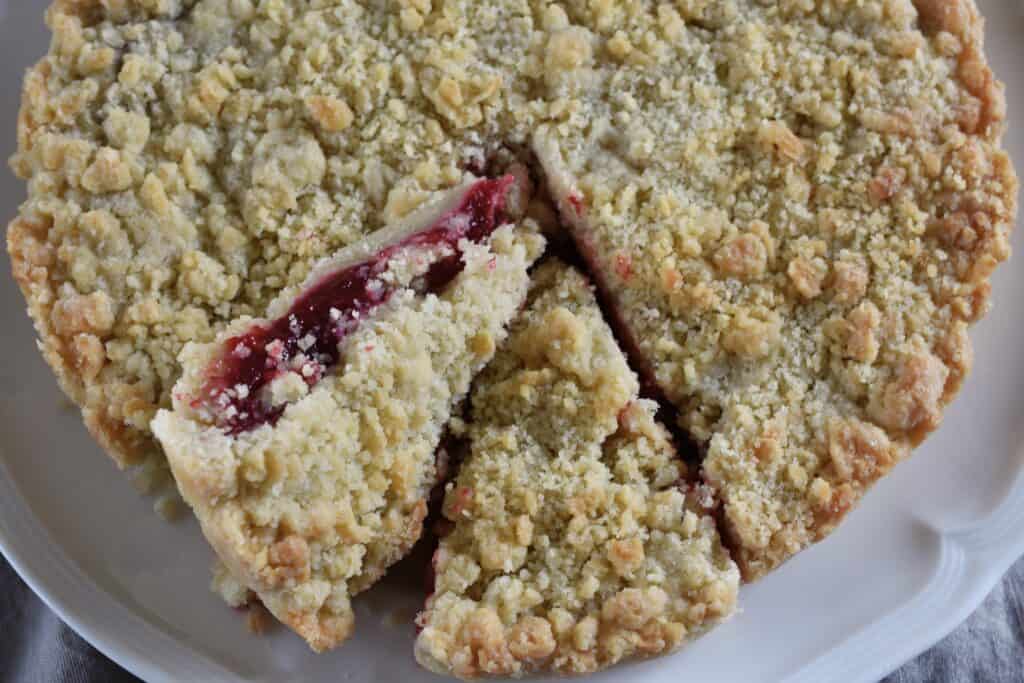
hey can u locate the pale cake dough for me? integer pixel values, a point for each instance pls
(574, 540)
(794, 207)
(312, 507)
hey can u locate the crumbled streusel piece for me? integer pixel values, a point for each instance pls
(574, 542)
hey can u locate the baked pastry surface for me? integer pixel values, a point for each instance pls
(189, 159)
(575, 539)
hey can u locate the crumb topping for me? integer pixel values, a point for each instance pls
(188, 160)
(574, 541)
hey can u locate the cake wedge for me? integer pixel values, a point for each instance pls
(575, 540)
(305, 441)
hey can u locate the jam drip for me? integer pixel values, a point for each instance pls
(306, 339)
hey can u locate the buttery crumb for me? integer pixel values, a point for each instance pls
(795, 208)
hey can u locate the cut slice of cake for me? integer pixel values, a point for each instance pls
(795, 218)
(304, 442)
(574, 540)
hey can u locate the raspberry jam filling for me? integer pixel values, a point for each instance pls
(306, 339)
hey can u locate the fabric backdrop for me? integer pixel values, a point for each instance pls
(36, 647)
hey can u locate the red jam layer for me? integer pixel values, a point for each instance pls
(306, 339)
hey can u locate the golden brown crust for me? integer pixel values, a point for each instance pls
(71, 334)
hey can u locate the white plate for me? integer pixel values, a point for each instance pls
(913, 561)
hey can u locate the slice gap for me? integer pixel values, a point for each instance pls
(579, 255)
(581, 251)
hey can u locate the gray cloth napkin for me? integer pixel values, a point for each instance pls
(36, 647)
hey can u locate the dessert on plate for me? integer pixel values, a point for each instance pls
(187, 160)
(576, 540)
(792, 211)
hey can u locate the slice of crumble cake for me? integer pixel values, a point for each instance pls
(305, 442)
(574, 541)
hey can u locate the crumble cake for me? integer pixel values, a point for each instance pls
(573, 541)
(305, 442)
(793, 207)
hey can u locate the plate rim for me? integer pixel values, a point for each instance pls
(973, 558)
(71, 603)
